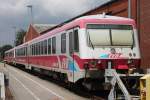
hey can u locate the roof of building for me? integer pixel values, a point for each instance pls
(42, 27)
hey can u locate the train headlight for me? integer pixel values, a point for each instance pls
(130, 54)
(134, 54)
(99, 62)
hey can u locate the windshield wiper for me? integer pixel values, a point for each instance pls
(133, 42)
(90, 41)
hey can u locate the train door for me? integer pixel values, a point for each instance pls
(73, 47)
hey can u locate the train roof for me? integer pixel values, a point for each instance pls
(22, 45)
(96, 17)
(10, 50)
(103, 16)
(77, 21)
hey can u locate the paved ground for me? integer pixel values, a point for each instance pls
(28, 87)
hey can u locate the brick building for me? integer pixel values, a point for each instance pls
(36, 30)
(139, 11)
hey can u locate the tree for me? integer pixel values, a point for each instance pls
(3, 49)
(19, 37)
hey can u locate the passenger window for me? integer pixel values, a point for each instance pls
(26, 52)
(73, 41)
(36, 49)
(32, 49)
(39, 48)
(45, 47)
(76, 41)
(49, 46)
(42, 45)
(54, 45)
(70, 42)
(63, 43)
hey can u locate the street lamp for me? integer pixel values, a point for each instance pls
(30, 7)
(14, 27)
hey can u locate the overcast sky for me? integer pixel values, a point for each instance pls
(15, 13)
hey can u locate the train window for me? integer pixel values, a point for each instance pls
(49, 46)
(99, 37)
(110, 35)
(32, 50)
(35, 49)
(45, 47)
(54, 45)
(26, 51)
(76, 41)
(23, 51)
(38, 48)
(42, 44)
(109, 26)
(125, 39)
(73, 42)
(63, 43)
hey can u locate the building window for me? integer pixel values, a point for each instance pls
(63, 43)
(49, 46)
(54, 45)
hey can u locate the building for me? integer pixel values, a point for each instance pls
(36, 30)
(139, 11)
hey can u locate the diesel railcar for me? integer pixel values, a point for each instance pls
(79, 51)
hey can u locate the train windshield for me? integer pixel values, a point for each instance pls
(110, 35)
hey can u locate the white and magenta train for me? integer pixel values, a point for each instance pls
(81, 48)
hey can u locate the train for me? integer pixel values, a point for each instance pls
(80, 50)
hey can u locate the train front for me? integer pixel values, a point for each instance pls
(110, 42)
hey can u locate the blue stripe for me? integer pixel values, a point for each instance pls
(72, 66)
